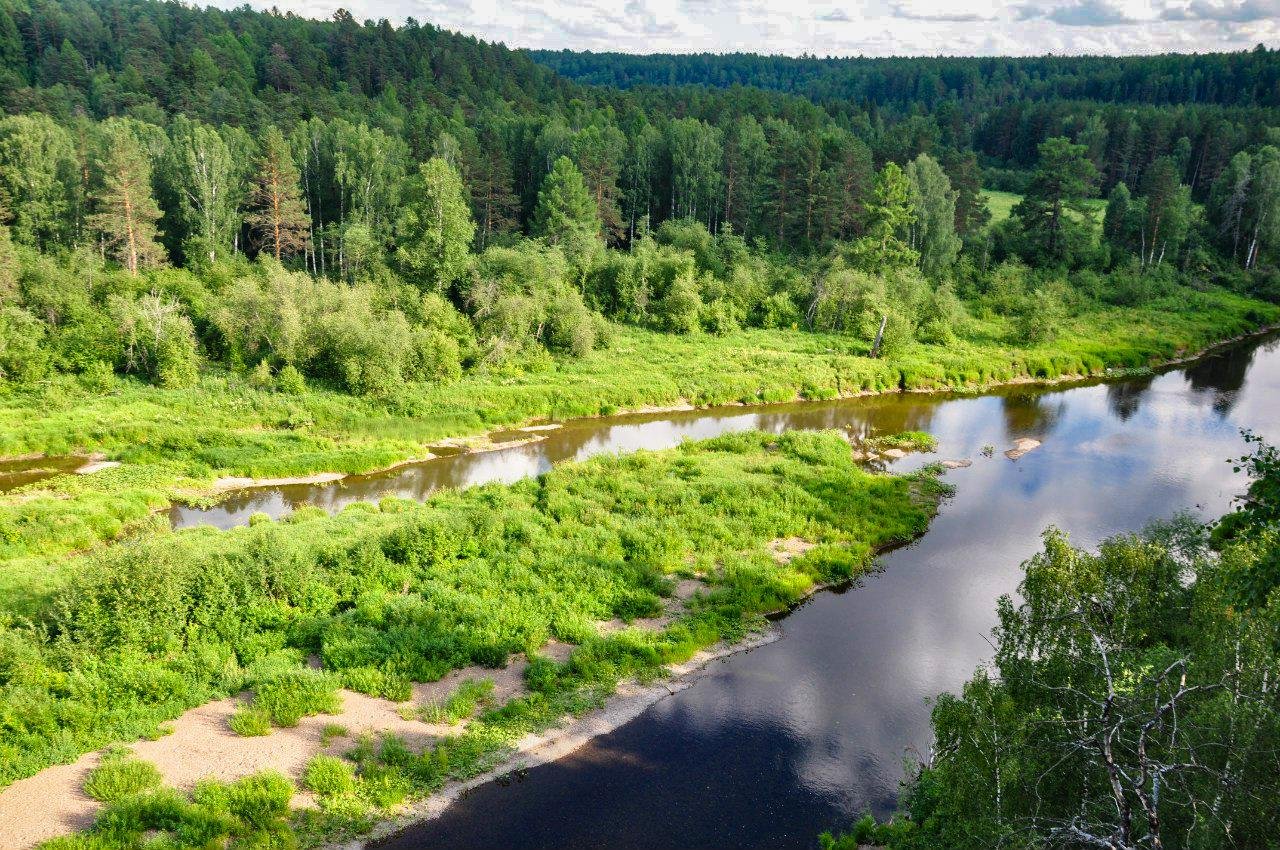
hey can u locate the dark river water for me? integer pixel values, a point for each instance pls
(782, 742)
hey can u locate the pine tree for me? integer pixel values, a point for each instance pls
(972, 213)
(495, 204)
(565, 207)
(1063, 179)
(279, 218)
(125, 211)
(599, 152)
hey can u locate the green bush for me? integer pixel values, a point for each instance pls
(117, 778)
(289, 696)
(250, 721)
(290, 381)
(329, 776)
(471, 695)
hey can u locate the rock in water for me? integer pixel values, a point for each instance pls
(1021, 446)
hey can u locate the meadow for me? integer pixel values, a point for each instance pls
(174, 443)
(401, 592)
(1001, 205)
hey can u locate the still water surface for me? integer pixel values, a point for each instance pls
(806, 733)
(20, 472)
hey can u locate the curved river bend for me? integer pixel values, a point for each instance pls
(806, 733)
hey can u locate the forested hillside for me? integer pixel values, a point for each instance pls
(228, 202)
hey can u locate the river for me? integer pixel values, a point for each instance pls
(806, 733)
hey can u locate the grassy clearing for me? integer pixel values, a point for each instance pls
(175, 442)
(1001, 205)
(152, 627)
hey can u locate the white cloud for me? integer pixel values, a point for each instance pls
(836, 27)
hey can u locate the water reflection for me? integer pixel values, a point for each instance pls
(805, 733)
(1221, 376)
(18, 473)
(1125, 397)
(1026, 412)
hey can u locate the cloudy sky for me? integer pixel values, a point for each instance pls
(838, 27)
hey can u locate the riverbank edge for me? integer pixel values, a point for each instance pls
(625, 704)
(482, 441)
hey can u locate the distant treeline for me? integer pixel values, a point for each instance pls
(1226, 79)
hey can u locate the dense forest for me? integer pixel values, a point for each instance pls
(249, 244)
(1227, 79)
(373, 163)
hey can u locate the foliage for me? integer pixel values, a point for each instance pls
(565, 210)
(436, 227)
(118, 777)
(250, 812)
(328, 776)
(250, 721)
(1131, 702)
(1062, 180)
(166, 623)
(461, 704)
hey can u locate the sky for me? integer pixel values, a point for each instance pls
(837, 27)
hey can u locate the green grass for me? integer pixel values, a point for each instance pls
(116, 778)
(328, 776)
(1001, 205)
(290, 695)
(175, 442)
(149, 628)
(461, 704)
(250, 812)
(250, 722)
(911, 441)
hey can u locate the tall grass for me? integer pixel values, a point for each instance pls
(175, 442)
(152, 627)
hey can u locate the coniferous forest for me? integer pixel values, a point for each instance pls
(243, 245)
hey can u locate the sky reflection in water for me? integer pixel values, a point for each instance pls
(806, 733)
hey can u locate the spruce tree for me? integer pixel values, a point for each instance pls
(564, 205)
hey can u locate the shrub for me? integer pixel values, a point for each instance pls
(461, 704)
(680, 307)
(331, 731)
(250, 722)
(289, 696)
(98, 377)
(329, 776)
(1039, 317)
(117, 778)
(290, 380)
(260, 800)
(383, 786)
(261, 378)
